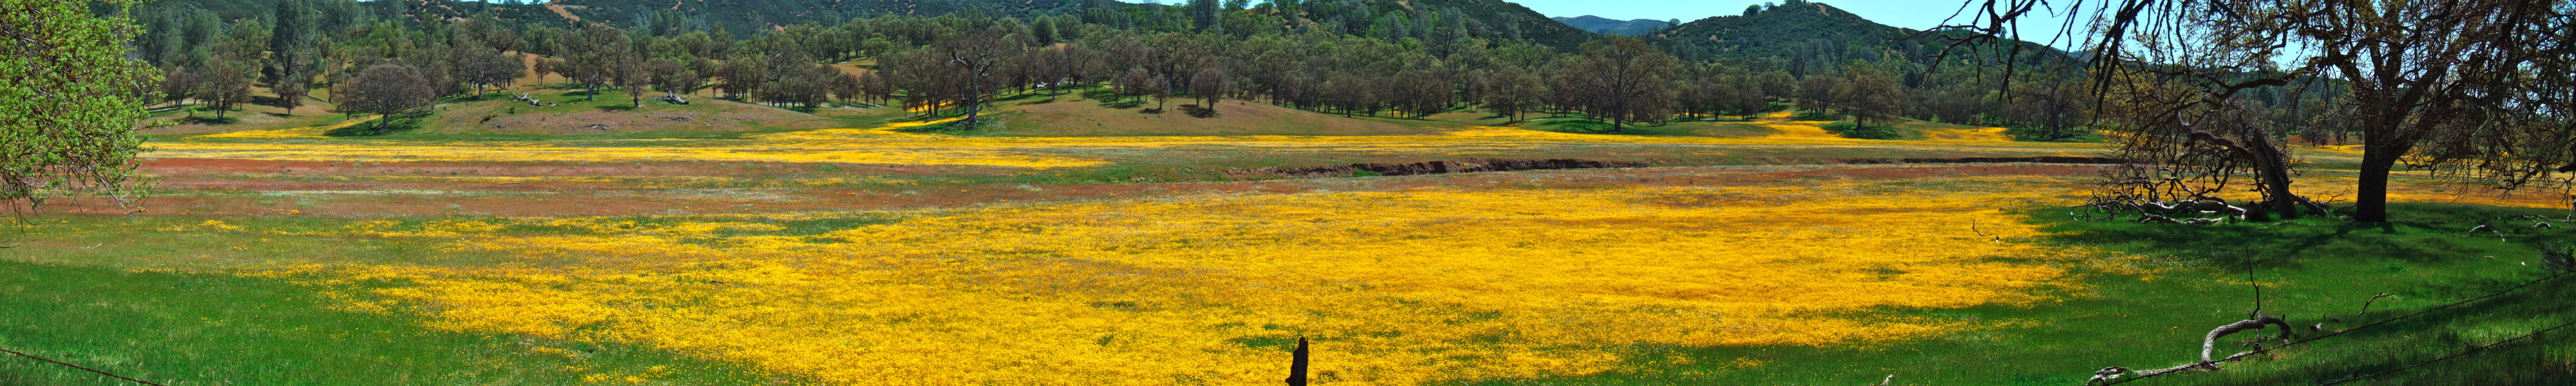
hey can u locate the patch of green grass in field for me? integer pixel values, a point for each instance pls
(388, 125)
(1862, 131)
(2314, 270)
(2036, 134)
(1702, 128)
(217, 329)
(1813, 115)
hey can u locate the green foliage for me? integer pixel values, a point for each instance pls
(1861, 131)
(68, 109)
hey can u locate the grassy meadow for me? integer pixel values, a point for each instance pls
(1082, 241)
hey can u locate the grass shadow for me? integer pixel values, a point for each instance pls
(191, 120)
(1861, 131)
(387, 125)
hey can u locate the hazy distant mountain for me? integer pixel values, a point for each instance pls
(1601, 25)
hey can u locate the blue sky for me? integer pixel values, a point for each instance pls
(1916, 14)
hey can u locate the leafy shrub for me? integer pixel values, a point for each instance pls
(1855, 130)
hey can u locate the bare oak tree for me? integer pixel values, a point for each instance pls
(968, 61)
(2476, 88)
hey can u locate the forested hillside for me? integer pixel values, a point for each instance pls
(1408, 58)
(1607, 26)
(1490, 19)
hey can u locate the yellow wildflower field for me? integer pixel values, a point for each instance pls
(1502, 280)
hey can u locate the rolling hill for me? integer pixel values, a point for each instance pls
(1602, 25)
(1813, 35)
(1796, 29)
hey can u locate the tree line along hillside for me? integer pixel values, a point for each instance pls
(1491, 19)
(1411, 59)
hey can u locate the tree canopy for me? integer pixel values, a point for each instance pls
(2475, 89)
(70, 102)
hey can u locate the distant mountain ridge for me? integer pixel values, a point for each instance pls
(1810, 35)
(1607, 26)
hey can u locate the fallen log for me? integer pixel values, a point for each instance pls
(2208, 345)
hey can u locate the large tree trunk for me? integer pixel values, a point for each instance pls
(2275, 170)
(2370, 203)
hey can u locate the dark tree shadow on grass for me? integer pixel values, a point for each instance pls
(208, 120)
(400, 123)
(1199, 112)
(2421, 232)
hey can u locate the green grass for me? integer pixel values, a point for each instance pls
(1861, 131)
(215, 329)
(1693, 128)
(2035, 134)
(2315, 269)
(388, 125)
